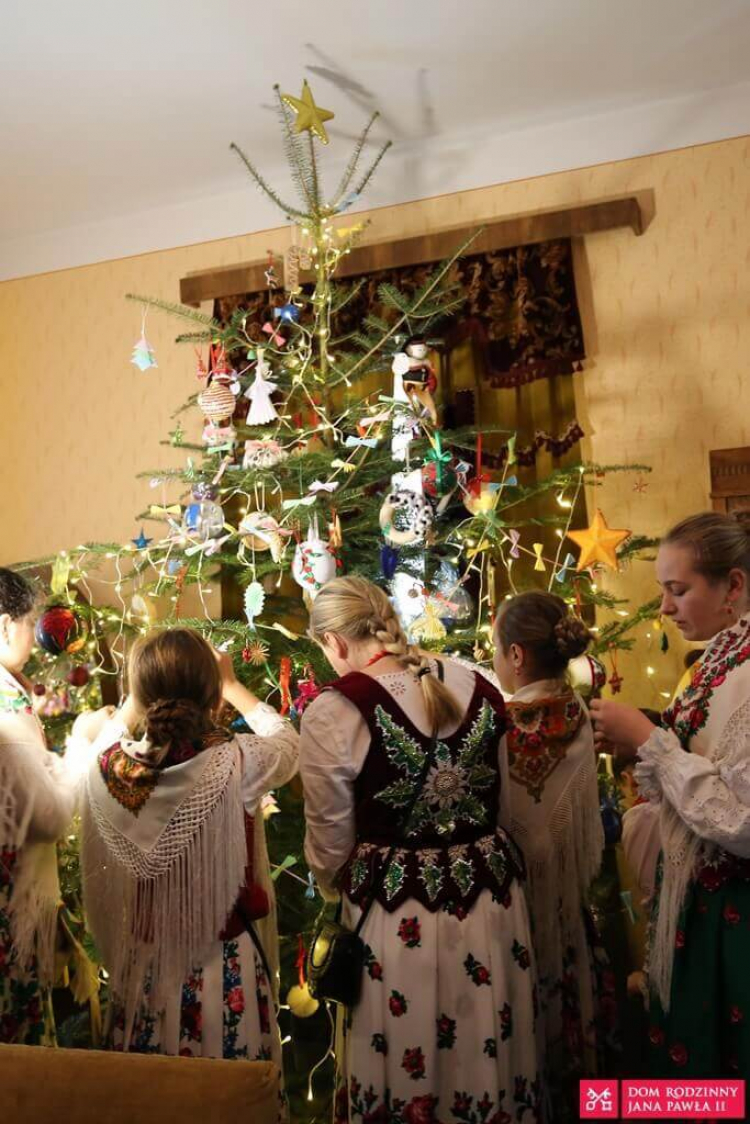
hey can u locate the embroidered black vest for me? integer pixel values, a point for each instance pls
(454, 849)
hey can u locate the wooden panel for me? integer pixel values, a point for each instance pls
(519, 230)
(730, 472)
(730, 482)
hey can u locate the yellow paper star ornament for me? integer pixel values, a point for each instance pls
(598, 543)
(310, 117)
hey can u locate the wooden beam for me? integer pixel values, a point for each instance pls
(518, 230)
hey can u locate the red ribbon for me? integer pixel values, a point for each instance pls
(299, 963)
(474, 486)
(285, 675)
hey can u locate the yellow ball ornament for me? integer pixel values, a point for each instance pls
(300, 1001)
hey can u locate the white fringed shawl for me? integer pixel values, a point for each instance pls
(36, 803)
(704, 794)
(164, 857)
(557, 823)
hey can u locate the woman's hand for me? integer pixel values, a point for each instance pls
(89, 723)
(226, 671)
(130, 714)
(621, 726)
(232, 691)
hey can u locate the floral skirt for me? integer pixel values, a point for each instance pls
(445, 1029)
(224, 1010)
(25, 1006)
(706, 1032)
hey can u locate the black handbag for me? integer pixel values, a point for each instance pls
(336, 961)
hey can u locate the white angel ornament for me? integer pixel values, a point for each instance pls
(262, 410)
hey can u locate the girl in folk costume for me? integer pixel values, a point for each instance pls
(177, 886)
(37, 799)
(695, 767)
(444, 1028)
(555, 816)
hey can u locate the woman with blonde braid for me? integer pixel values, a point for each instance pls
(404, 787)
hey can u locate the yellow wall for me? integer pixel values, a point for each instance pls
(666, 323)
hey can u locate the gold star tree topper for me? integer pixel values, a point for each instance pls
(309, 115)
(598, 543)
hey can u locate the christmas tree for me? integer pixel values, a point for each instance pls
(325, 450)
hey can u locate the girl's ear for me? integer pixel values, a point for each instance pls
(337, 644)
(737, 586)
(517, 656)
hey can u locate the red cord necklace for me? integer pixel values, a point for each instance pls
(376, 657)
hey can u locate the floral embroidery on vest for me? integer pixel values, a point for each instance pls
(449, 791)
(454, 849)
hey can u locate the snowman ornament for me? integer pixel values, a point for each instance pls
(314, 561)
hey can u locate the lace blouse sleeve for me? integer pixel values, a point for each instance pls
(270, 754)
(711, 797)
(37, 797)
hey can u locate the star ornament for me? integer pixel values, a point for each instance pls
(310, 117)
(141, 542)
(598, 543)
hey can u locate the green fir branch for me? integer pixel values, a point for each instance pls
(353, 162)
(297, 155)
(372, 169)
(294, 212)
(174, 309)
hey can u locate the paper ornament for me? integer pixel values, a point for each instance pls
(60, 573)
(288, 312)
(262, 410)
(310, 117)
(598, 543)
(562, 574)
(539, 563)
(255, 599)
(143, 355)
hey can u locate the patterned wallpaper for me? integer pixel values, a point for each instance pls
(666, 321)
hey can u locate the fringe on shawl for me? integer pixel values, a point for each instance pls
(154, 914)
(33, 905)
(680, 851)
(563, 875)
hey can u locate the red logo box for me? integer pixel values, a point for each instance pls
(598, 1100)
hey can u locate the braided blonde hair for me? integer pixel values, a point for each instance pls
(355, 609)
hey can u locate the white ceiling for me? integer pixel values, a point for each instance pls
(115, 118)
